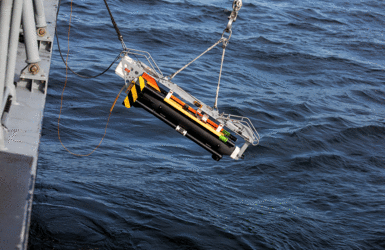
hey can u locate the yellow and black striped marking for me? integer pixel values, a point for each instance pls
(132, 95)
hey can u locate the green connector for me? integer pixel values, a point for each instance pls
(225, 132)
(223, 138)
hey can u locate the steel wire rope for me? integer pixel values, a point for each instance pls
(62, 94)
(219, 79)
(188, 64)
(225, 43)
(237, 4)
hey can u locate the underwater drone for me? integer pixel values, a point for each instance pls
(194, 120)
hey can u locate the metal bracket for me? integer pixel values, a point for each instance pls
(181, 130)
(37, 76)
(129, 69)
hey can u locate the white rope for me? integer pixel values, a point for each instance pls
(173, 75)
(237, 4)
(220, 73)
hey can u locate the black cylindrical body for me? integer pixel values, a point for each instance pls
(154, 103)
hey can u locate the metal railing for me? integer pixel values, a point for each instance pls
(13, 13)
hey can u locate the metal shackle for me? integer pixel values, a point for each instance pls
(237, 5)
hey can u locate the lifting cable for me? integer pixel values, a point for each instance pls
(237, 4)
(68, 68)
(120, 37)
(225, 42)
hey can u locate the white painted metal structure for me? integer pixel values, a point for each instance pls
(25, 57)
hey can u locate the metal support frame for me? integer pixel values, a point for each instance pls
(9, 96)
(12, 50)
(5, 21)
(12, 13)
(33, 71)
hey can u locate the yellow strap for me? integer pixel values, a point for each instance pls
(141, 82)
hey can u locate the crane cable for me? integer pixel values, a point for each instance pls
(120, 37)
(66, 79)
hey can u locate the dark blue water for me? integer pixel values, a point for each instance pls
(309, 74)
